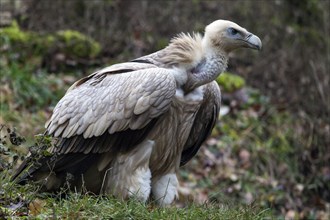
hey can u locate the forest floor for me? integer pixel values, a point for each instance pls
(248, 169)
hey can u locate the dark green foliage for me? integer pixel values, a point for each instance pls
(9, 139)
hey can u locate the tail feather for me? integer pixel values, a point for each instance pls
(53, 171)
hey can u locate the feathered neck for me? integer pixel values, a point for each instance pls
(201, 63)
(183, 50)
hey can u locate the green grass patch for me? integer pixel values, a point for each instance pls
(24, 201)
(28, 89)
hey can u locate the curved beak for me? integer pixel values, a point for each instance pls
(253, 42)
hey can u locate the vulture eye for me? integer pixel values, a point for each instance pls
(232, 31)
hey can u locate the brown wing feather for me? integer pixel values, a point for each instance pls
(204, 122)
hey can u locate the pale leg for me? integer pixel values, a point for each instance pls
(164, 189)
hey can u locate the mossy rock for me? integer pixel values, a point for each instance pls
(75, 44)
(230, 82)
(59, 51)
(19, 40)
(15, 43)
(13, 34)
(21, 46)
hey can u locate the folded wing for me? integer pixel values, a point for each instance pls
(204, 121)
(99, 112)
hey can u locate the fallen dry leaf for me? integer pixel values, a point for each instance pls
(36, 206)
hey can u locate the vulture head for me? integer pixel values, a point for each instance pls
(227, 36)
(203, 58)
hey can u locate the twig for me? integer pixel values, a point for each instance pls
(319, 84)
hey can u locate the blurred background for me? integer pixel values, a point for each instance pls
(271, 146)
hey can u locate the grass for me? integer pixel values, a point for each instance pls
(28, 89)
(22, 201)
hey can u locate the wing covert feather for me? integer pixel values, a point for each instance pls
(106, 105)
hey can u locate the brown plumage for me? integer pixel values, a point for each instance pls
(126, 129)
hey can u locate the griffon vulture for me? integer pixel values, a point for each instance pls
(125, 130)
